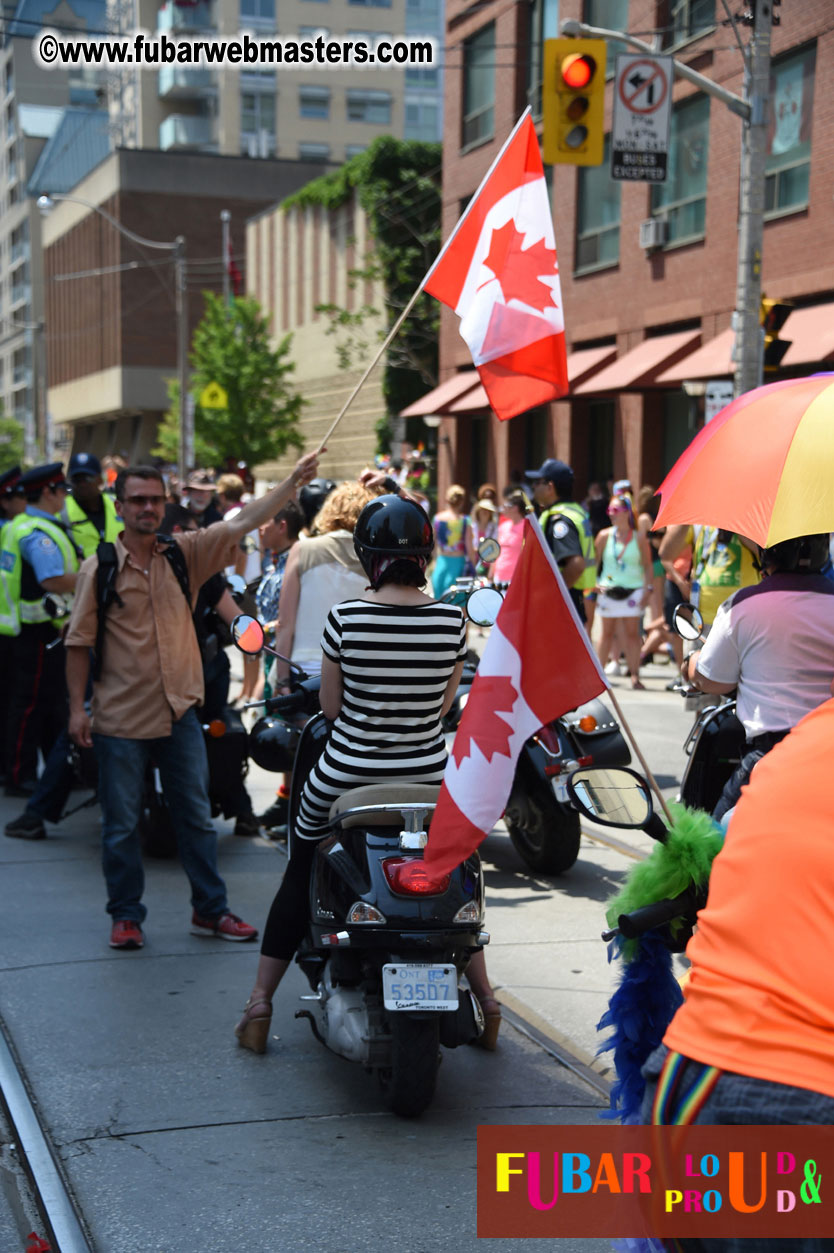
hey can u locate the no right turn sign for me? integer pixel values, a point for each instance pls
(642, 114)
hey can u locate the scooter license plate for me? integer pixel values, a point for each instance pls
(410, 986)
(560, 789)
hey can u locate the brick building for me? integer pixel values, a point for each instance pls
(642, 322)
(110, 326)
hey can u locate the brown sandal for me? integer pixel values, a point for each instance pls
(253, 1029)
(491, 1011)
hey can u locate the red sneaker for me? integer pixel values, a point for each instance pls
(226, 927)
(126, 934)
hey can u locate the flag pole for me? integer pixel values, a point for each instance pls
(646, 768)
(395, 328)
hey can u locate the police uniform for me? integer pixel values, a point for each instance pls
(89, 529)
(33, 547)
(9, 488)
(567, 529)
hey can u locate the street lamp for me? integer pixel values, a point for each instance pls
(177, 251)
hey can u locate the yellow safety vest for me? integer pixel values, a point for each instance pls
(14, 611)
(83, 529)
(577, 515)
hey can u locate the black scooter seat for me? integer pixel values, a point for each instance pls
(351, 809)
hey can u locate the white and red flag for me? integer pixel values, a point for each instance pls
(538, 663)
(500, 274)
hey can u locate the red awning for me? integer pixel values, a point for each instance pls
(640, 367)
(587, 361)
(811, 332)
(474, 401)
(710, 361)
(440, 397)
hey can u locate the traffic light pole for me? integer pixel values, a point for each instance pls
(752, 109)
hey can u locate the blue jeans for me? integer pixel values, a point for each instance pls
(181, 759)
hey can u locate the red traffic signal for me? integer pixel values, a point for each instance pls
(577, 70)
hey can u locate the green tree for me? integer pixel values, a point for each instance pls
(231, 347)
(11, 443)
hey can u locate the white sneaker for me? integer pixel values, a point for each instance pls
(612, 667)
(623, 668)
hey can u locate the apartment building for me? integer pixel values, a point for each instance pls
(648, 310)
(33, 105)
(308, 112)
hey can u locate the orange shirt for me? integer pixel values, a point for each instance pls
(152, 672)
(760, 998)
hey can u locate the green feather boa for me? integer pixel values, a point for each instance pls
(686, 857)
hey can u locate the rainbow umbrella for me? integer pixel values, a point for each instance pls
(763, 467)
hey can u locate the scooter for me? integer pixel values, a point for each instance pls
(387, 941)
(541, 823)
(715, 744)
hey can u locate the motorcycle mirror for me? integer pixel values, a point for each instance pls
(237, 584)
(688, 621)
(248, 634)
(482, 606)
(614, 797)
(489, 550)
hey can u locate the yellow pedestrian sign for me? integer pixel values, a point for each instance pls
(214, 397)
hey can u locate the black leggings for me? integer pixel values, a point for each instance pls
(289, 912)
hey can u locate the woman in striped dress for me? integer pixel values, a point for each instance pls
(391, 667)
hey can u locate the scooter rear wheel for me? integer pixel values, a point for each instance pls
(410, 1080)
(545, 845)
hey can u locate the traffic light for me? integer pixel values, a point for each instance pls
(773, 314)
(573, 98)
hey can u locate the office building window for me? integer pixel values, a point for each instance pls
(353, 150)
(789, 132)
(597, 216)
(428, 11)
(369, 106)
(257, 11)
(422, 120)
(682, 199)
(687, 19)
(422, 78)
(314, 152)
(372, 4)
(257, 123)
(479, 87)
(314, 102)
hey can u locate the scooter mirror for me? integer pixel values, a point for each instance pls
(688, 621)
(248, 634)
(616, 798)
(489, 550)
(237, 584)
(482, 606)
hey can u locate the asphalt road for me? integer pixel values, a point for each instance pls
(172, 1138)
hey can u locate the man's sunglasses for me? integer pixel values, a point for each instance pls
(141, 501)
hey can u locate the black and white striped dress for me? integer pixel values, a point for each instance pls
(396, 661)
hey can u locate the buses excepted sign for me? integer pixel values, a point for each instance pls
(642, 115)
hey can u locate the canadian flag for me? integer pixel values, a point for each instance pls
(538, 663)
(500, 273)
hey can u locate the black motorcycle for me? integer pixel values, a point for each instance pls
(388, 940)
(716, 742)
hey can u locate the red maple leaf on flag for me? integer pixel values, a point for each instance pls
(492, 735)
(518, 269)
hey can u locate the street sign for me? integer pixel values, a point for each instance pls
(717, 396)
(214, 397)
(642, 115)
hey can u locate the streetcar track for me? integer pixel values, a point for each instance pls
(38, 1160)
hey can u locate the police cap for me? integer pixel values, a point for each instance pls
(555, 472)
(10, 482)
(39, 477)
(83, 464)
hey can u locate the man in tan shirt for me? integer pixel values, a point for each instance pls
(150, 681)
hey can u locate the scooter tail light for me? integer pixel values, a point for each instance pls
(470, 912)
(409, 876)
(216, 728)
(548, 737)
(361, 911)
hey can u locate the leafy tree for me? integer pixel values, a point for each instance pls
(231, 347)
(11, 443)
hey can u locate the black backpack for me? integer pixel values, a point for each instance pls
(106, 594)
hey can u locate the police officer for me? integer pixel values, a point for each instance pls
(12, 502)
(89, 515)
(12, 495)
(567, 528)
(36, 556)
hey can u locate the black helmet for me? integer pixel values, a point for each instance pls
(391, 526)
(272, 744)
(806, 554)
(312, 496)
